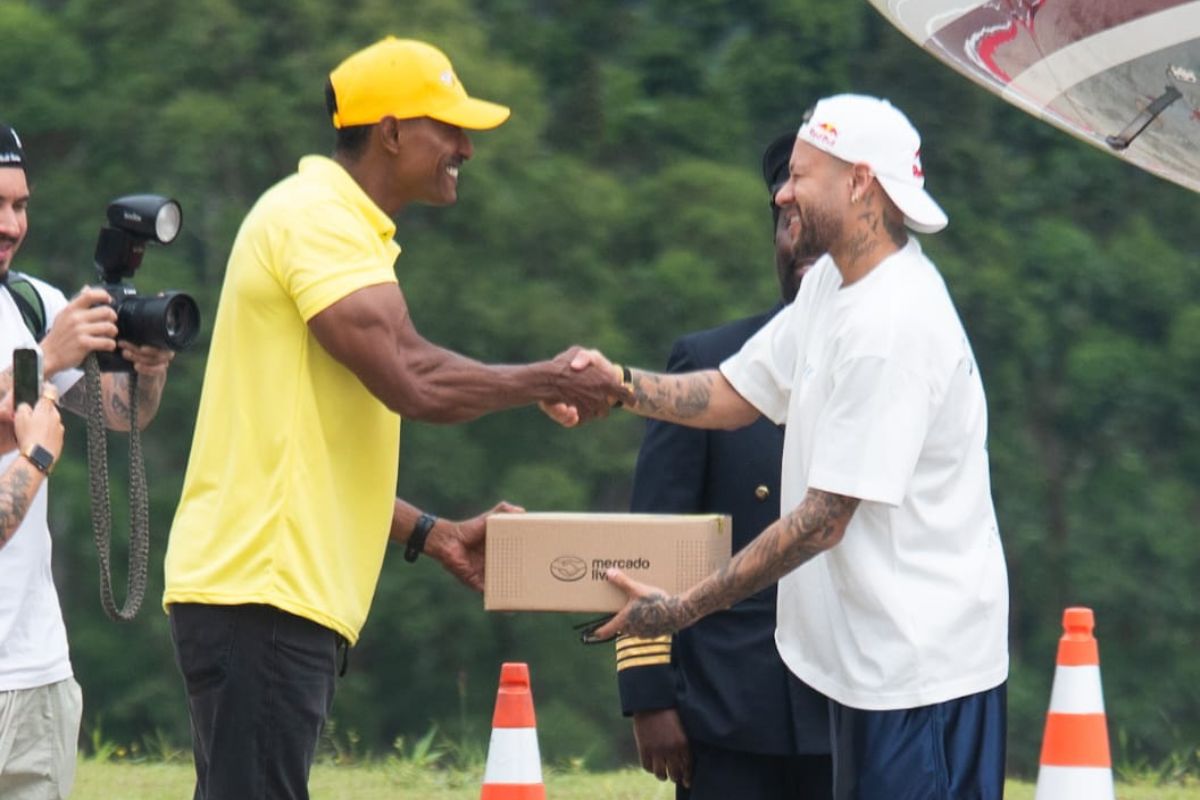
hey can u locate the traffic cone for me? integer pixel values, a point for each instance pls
(1076, 764)
(514, 766)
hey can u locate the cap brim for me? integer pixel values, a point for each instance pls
(472, 114)
(921, 213)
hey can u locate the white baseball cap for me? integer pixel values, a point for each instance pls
(866, 130)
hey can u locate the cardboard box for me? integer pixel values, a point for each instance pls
(557, 561)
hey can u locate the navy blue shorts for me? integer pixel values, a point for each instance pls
(948, 751)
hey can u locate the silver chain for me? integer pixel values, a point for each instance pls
(139, 500)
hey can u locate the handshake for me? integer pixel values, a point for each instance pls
(588, 385)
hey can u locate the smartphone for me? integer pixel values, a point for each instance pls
(27, 376)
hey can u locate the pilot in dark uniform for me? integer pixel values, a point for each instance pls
(713, 707)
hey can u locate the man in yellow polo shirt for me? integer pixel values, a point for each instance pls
(288, 505)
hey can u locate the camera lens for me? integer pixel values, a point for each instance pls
(167, 320)
(175, 321)
(181, 321)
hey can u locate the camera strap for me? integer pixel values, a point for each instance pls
(139, 501)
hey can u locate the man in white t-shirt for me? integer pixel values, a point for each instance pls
(893, 594)
(40, 702)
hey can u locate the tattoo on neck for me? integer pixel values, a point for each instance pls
(871, 214)
(870, 219)
(866, 237)
(858, 246)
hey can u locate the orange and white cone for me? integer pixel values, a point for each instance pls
(514, 766)
(1076, 763)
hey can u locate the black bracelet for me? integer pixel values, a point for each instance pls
(416, 540)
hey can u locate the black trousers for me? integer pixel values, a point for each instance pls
(260, 685)
(719, 774)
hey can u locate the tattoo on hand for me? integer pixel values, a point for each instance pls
(656, 615)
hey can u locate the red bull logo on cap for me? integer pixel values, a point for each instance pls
(918, 170)
(823, 133)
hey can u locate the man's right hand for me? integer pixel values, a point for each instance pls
(586, 387)
(663, 745)
(86, 324)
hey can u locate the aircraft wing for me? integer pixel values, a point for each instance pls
(1123, 75)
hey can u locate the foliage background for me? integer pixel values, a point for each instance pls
(620, 207)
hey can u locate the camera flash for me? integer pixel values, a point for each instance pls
(167, 222)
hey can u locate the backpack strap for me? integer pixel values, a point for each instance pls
(29, 303)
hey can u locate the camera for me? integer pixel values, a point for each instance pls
(167, 320)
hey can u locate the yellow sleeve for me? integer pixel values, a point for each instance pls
(331, 253)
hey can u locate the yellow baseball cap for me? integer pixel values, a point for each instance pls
(404, 78)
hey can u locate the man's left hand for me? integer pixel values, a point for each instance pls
(148, 362)
(459, 546)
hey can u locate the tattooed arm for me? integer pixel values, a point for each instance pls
(115, 388)
(22, 429)
(18, 486)
(703, 399)
(151, 366)
(816, 525)
(114, 393)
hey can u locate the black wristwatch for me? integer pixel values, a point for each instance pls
(626, 382)
(416, 540)
(41, 458)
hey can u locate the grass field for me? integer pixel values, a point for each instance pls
(399, 780)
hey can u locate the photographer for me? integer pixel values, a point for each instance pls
(40, 703)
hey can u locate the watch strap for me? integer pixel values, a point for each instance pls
(626, 381)
(416, 540)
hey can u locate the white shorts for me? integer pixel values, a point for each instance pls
(39, 735)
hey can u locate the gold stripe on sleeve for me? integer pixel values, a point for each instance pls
(644, 661)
